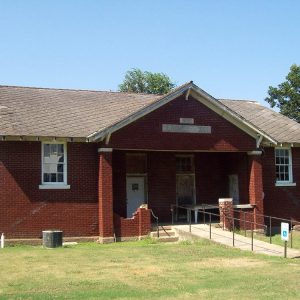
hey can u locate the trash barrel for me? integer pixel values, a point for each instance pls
(52, 238)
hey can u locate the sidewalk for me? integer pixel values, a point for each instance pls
(225, 237)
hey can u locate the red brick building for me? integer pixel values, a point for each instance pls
(85, 161)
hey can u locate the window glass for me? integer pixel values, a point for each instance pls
(53, 163)
(184, 164)
(283, 165)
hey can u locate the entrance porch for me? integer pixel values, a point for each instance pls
(161, 179)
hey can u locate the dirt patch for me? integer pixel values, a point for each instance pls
(228, 263)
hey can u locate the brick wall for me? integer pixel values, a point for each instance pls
(161, 183)
(212, 171)
(282, 201)
(26, 210)
(137, 226)
(146, 133)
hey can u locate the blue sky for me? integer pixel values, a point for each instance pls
(230, 48)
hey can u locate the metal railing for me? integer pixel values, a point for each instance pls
(270, 220)
(157, 223)
(230, 216)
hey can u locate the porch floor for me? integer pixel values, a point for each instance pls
(225, 237)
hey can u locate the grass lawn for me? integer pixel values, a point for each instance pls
(145, 270)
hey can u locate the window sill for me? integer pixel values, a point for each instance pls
(285, 184)
(54, 187)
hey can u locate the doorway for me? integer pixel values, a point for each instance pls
(185, 180)
(185, 189)
(135, 187)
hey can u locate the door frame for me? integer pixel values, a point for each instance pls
(145, 177)
(191, 173)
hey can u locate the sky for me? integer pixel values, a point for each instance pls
(230, 48)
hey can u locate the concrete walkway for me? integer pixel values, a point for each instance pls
(225, 237)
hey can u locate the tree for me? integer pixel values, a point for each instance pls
(137, 81)
(287, 95)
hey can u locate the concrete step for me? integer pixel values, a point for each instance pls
(168, 239)
(166, 234)
(163, 233)
(161, 227)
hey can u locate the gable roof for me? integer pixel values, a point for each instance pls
(279, 127)
(42, 112)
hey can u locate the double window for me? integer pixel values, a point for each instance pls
(54, 165)
(283, 163)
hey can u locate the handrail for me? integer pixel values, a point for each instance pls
(201, 208)
(250, 212)
(157, 224)
(213, 214)
(270, 218)
(267, 216)
(190, 209)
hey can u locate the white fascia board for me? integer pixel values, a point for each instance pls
(29, 138)
(139, 114)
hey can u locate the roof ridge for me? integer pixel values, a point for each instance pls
(245, 100)
(75, 90)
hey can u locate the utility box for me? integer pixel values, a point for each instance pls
(52, 238)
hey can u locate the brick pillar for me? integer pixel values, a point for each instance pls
(144, 221)
(256, 187)
(226, 213)
(105, 196)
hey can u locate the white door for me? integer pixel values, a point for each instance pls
(135, 194)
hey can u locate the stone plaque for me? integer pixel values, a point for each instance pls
(186, 128)
(186, 121)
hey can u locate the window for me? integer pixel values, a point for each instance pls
(54, 165)
(283, 163)
(184, 164)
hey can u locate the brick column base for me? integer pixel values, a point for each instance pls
(256, 189)
(226, 213)
(144, 221)
(105, 196)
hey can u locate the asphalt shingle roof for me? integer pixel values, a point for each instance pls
(29, 111)
(274, 124)
(64, 113)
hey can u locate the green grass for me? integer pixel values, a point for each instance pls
(145, 270)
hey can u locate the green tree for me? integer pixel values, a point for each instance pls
(287, 95)
(137, 81)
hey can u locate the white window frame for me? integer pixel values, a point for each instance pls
(54, 185)
(290, 181)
